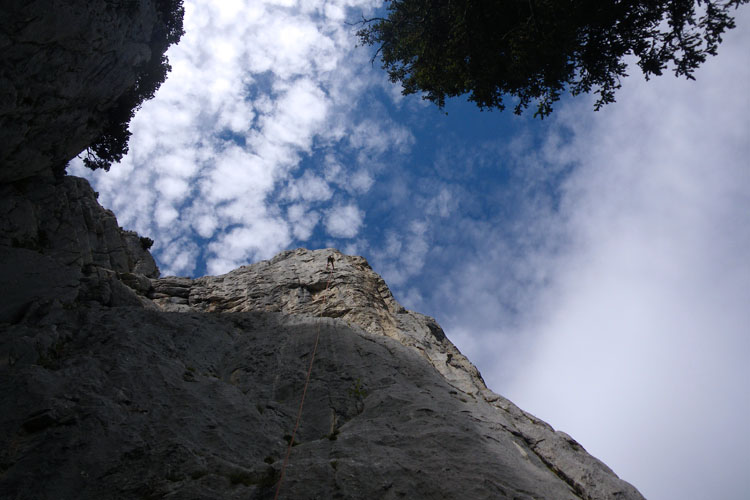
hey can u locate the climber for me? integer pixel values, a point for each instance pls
(330, 261)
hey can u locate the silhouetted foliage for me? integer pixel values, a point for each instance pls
(112, 144)
(534, 50)
(146, 242)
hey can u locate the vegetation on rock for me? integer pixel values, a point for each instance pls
(146, 242)
(534, 50)
(112, 144)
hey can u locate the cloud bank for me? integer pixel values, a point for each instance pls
(633, 337)
(257, 89)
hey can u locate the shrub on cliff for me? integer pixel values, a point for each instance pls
(112, 144)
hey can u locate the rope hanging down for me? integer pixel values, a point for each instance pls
(304, 392)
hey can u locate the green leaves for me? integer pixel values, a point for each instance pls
(112, 144)
(535, 50)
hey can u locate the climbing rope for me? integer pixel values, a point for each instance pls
(304, 392)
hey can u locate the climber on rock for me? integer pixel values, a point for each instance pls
(331, 262)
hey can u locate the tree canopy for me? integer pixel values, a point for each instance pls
(112, 144)
(535, 50)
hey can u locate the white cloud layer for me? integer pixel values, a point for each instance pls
(256, 88)
(344, 221)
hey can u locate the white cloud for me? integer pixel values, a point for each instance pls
(637, 346)
(172, 187)
(256, 88)
(402, 256)
(442, 204)
(375, 137)
(299, 112)
(180, 255)
(344, 221)
(309, 187)
(357, 182)
(303, 221)
(335, 12)
(261, 239)
(237, 173)
(205, 225)
(355, 248)
(165, 214)
(361, 181)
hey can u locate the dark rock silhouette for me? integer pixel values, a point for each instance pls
(63, 65)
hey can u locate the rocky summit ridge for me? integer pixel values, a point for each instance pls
(118, 384)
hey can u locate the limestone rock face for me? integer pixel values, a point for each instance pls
(58, 243)
(125, 402)
(63, 219)
(298, 283)
(63, 64)
(115, 385)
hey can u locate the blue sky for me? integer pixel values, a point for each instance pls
(594, 266)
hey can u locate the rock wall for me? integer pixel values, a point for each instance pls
(119, 386)
(63, 219)
(196, 398)
(295, 282)
(63, 64)
(58, 244)
(298, 283)
(125, 403)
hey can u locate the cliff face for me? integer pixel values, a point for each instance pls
(117, 384)
(197, 399)
(63, 64)
(295, 283)
(58, 244)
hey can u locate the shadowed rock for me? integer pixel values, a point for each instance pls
(63, 65)
(297, 282)
(126, 402)
(193, 392)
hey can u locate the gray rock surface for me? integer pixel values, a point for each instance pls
(58, 244)
(294, 282)
(297, 282)
(63, 64)
(63, 219)
(124, 402)
(192, 393)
